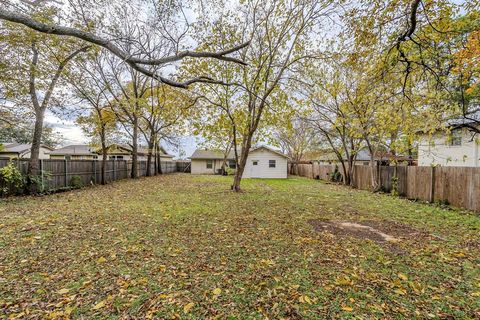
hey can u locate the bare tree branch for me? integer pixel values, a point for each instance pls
(134, 62)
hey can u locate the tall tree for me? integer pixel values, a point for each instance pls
(36, 64)
(163, 115)
(279, 40)
(294, 139)
(97, 119)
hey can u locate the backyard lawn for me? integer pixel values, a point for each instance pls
(182, 246)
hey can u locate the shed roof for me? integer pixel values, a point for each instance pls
(202, 154)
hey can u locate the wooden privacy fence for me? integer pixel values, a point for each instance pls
(458, 186)
(58, 174)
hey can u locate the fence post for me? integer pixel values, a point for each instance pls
(94, 171)
(432, 185)
(66, 174)
(114, 173)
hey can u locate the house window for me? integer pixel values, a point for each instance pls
(455, 138)
(272, 163)
(232, 164)
(115, 157)
(255, 163)
(209, 164)
(68, 157)
(95, 157)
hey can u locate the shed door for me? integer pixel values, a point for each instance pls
(255, 169)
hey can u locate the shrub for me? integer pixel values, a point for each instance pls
(39, 181)
(12, 180)
(336, 176)
(229, 171)
(76, 182)
(395, 187)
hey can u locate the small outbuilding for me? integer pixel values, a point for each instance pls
(262, 162)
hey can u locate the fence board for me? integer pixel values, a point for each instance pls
(57, 174)
(459, 186)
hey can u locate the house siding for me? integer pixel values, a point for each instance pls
(263, 170)
(436, 151)
(262, 155)
(199, 166)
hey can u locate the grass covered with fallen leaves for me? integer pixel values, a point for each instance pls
(182, 246)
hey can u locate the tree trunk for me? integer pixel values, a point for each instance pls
(34, 162)
(151, 146)
(134, 173)
(33, 165)
(159, 158)
(346, 174)
(225, 156)
(155, 158)
(241, 164)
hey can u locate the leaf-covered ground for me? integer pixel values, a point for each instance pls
(182, 246)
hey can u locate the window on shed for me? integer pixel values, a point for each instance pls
(232, 164)
(255, 163)
(209, 164)
(272, 163)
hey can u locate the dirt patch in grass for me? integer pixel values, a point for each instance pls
(377, 231)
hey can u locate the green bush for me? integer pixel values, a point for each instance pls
(39, 183)
(76, 182)
(11, 180)
(229, 171)
(395, 187)
(336, 176)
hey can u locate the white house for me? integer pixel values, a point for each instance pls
(262, 162)
(459, 148)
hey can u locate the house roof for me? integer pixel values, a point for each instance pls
(140, 150)
(87, 150)
(75, 149)
(210, 155)
(19, 147)
(200, 154)
(271, 150)
(364, 155)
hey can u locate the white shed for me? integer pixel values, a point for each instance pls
(262, 162)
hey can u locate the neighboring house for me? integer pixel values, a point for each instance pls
(75, 152)
(457, 147)
(124, 152)
(20, 150)
(363, 158)
(115, 152)
(262, 162)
